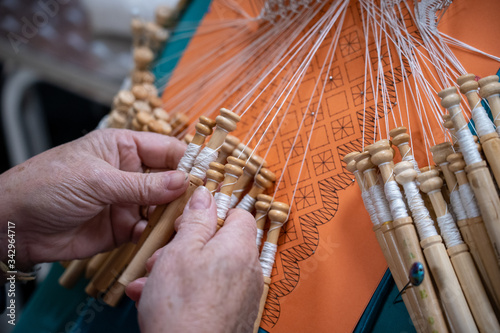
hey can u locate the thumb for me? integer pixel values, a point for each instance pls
(198, 222)
(143, 189)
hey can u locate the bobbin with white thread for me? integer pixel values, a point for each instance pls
(448, 124)
(401, 139)
(226, 122)
(382, 155)
(229, 145)
(233, 170)
(264, 180)
(203, 129)
(262, 207)
(490, 89)
(278, 215)
(490, 141)
(215, 175)
(479, 176)
(477, 229)
(461, 259)
(435, 253)
(252, 166)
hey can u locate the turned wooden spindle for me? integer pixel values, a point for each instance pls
(479, 233)
(203, 129)
(490, 89)
(401, 139)
(137, 29)
(437, 258)
(73, 272)
(382, 156)
(123, 100)
(156, 103)
(159, 126)
(264, 180)
(490, 141)
(188, 138)
(461, 259)
(226, 122)
(227, 148)
(262, 207)
(233, 170)
(95, 263)
(478, 174)
(143, 56)
(179, 122)
(165, 16)
(448, 124)
(278, 215)
(141, 121)
(142, 76)
(440, 154)
(215, 174)
(252, 166)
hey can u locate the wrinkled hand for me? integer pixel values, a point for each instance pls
(202, 281)
(83, 197)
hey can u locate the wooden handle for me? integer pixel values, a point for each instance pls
(412, 252)
(262, 303)
(72, 273)
(95, 263)
(253, 164)
(452, 296)
(227, 148)
(469, 87)
(490, 89)
(159, 236)
(473, 289)
(214, 176)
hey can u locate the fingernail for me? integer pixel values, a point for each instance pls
(176, 180)
(201, 198)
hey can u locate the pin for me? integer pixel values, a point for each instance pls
(415, 276)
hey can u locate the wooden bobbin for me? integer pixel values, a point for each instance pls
(152, 93)
(142, 76)
(141, 121)
(215, 174)
(160, 126)
(179, 122)
(480, 235)
(479, 176)
(161, 114)
(264, 180)
(165, 16)
(226, 122)
(158, 237)
(469, 87)
(252, 166)
(242, 151)
(382, 156)
(188, 138)
(73, 273)
(95, 263)
(461, 259)
(203, 129)
(233, 170)
(227, 148)
(401, 139)
(490, 143)
(490, 89)
(143, 56)
(140, 92)
(440, 154)
(262, 207)
(137, 29)
(278, 215)
(441, 269)
(117, 119)
(123, 100)
(448, 124)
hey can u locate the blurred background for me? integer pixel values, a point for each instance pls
(61, 64)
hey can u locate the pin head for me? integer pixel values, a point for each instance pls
(416, 274)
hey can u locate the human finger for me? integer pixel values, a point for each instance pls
(198, 222)
(134, 288)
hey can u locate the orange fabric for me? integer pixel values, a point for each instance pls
(329, 262)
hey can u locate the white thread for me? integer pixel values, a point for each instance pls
(449, 230)
(469, 201)
(423, 222)
(367, 200)
(234, 200)
(247, 203)
(205, 157)
(260, 235)
(222, 201)
(395, 198)
(458, 207)
(468, 146)
(267, 258)
(380, 203)
(483, 123)
(187, 161)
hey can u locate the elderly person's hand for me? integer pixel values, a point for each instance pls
(84, 197)
(202, 281)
